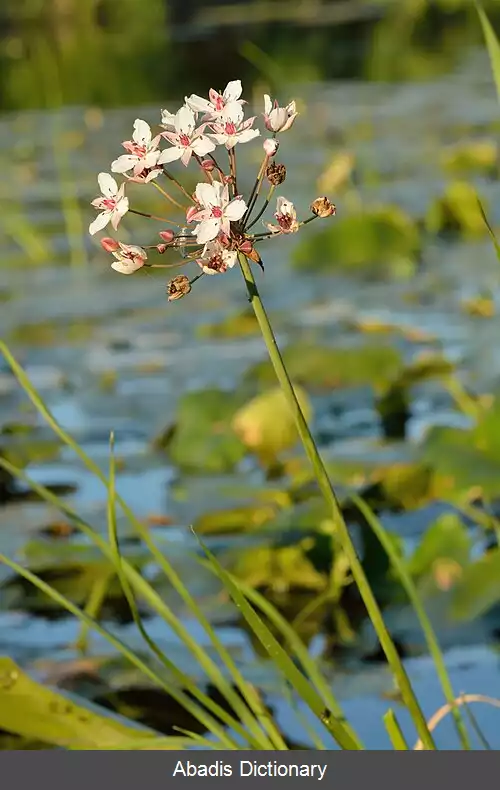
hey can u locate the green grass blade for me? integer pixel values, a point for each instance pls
(492, 44)
(211, 724)
(425, 623)
(490, 230)
(280, 658)
(297, 647)
(395, 732)
(477, 729)
(212, 670)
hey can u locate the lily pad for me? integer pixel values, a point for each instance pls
(457, 211)
(479, 588)
(246, 518)
(474, 157)
(320, 367)
(279, 569)
(240, 324)
(202, 438)
(446, 539)
(385, 237)
(266, 425)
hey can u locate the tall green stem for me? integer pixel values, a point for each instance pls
(325, 486)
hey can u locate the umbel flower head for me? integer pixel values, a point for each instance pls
(213, 226)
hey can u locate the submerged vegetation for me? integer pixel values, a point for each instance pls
(381, 545)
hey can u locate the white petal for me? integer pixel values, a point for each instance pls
(142, 132)
(233, 90)
(247, 135)
(207, 230)
(185, 121)
(170, 155)
(232, 112)
(119, 212)
(124, 163)
(206, 196)
(198, 104)
(107, 184)
(151, 159)
(100, 222)
(126, 267)
(167, 119)
(268, 105)
(235, 210)
(229, 258)
(202, 145)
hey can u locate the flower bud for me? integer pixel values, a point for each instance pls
(246, 246)
(178, 287)
(162, 248)
(110, 245)
(270, 146)
(166, 235)
(323, 207)
(276, 174)
(192, 210)
(208, 165)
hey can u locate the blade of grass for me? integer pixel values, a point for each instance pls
(280, 658)
(93, 606)
(425, 623)
(296, 646)
(211, 724)
(490, 230)
(492, 44)
(395, 732)
(477, 729)
(211, 669)
(230, 721)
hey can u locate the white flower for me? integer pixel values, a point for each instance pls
(217, 211)
(113, 205)
(276, 118)
(186, 139)
(216, 259)
(142, 150)
(129, 258)
(168, 119)
(230, 128)
(217, 101)
(286, 217)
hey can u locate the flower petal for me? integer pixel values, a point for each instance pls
(235, 209)
(268, 105)
(232, 91)
(198, 104)
(107, 184)
(124, 163)
(207, 230)
(185, 121)
(206, 195)
(170, 155)
(247, 135)
(229, 258)
(142, 132)
(125, 266)
(167, 119)
(202, 145)
(100, 222)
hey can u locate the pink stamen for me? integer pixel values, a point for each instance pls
(134, 148)
(109, 204)
(184, 140)
(219, 103)
(230, 128)
(216, 212)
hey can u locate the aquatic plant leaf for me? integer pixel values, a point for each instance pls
(446, 539)
(202, 438)
(282, 568)
(456, 211)
(266, 424)
(319, 367)
(34, 711)
(474, 156)
(493, 45)
(384, 237)
(478, 589)
(240, 324)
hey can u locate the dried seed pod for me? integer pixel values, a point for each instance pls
(178, 287)
(322, 207)
(276, 173)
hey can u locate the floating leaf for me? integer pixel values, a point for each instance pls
(446, 539)
(384, 236)
(279, 568)
(236, 325)
(476, 156)
(479, 588)
(456, 211)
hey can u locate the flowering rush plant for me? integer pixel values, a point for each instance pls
(217, 227)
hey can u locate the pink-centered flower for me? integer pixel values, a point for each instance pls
(142, 151)
(216, 101)
(216, 212)
(186, 139)
(113, 204)
(129, 258)
(286, 217)
(230, 127)
(276, 118)
(215, 258)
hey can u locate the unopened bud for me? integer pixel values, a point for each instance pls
(223, 240)
(178, 287)
(228, 179)
(208, 165)
(166, 235)
(323, 207)
(246, 246)
(276, 174)
(110, 245)
(270, 146)
(192, 210)
(162, 248)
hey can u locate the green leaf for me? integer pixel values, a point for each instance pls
(33, 711)
(447, 538)
(478, 589)
(493, 46)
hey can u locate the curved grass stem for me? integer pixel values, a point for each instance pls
(342, 530)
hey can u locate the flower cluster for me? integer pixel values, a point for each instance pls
(221, 217)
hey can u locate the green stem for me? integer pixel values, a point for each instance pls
(325, 486)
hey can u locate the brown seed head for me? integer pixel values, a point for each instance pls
(178, 287)
(276, 173)
(323, 207)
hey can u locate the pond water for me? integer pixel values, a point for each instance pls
(110, 353)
